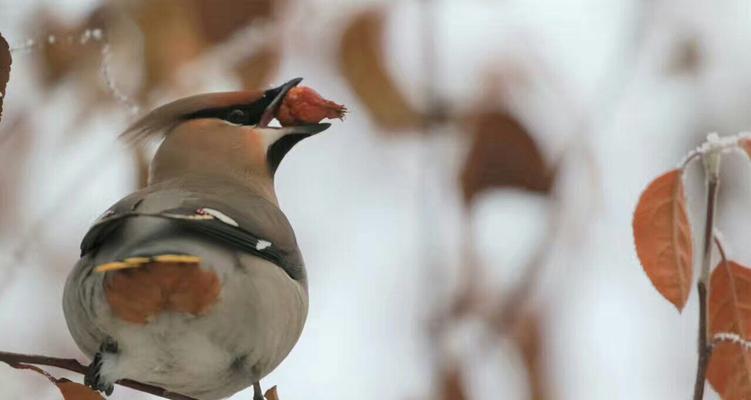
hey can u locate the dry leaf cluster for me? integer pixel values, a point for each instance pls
(664, 244)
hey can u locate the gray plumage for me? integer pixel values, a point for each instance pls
(244, 239)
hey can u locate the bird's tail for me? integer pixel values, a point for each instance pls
(138, 289)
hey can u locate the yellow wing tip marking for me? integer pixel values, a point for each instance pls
(177, 258)
(113, 266)
(135, 262)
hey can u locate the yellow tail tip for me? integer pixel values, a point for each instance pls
(177, 258)
(113, 266)
(135, 262)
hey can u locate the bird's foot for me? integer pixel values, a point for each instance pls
(257, 392)
(93, 378)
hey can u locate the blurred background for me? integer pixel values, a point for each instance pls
(467, 227)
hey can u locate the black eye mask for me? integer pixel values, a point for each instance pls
(241, 114)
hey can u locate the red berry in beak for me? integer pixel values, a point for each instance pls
(303, 105)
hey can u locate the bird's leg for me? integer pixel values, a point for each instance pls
(257, 392)
(93, 378)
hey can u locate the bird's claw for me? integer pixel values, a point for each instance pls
(257, 392)
(93, 378)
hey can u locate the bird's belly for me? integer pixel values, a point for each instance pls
(182, 355)
(251, 328)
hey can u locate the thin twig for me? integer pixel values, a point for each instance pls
(20, 360)
(704, 349)
(693, 155)
(720, 247)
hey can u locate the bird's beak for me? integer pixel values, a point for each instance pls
(277, 95)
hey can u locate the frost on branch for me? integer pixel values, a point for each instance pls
(662, 234)
(717, 145)
(729, 370)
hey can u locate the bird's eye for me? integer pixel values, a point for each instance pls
(237, 116)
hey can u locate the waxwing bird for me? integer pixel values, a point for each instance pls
(195, 283)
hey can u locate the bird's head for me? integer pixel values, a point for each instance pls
(221, 134)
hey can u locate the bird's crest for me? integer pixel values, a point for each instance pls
(161, 120)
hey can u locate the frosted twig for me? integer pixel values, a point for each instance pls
(716, 144)
(51, 39)
(719, 241)
(89, 35)
(711, 152)
(114, 90)
(691, 156)
(26, 46)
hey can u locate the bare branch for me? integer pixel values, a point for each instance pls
(23, 361)
(704, 349)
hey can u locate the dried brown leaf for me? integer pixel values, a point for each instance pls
(271, 394)
(746, 146)
(257, 70)
(452, 384)
(77, 391)
(172, 37)
(361, 60)
(729, 371)
(662, 234)
(730, 299)
(5, 61)
(730, 312)
(69, 390)
(219, 19)
(503, 154)
(178, 31)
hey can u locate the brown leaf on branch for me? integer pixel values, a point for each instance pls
(258, 69)
(361, 60)
(746, 146)
(5, 62)
(730, 299)
(69, 390)
(452, 384)
(730, 313)
(662, 234)
(171, 37)
(177, 31)
(503, 154)
(219, 19)
(77, 391)
(271, 394)
(730, 371)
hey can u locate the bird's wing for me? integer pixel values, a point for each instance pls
(261, 229)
